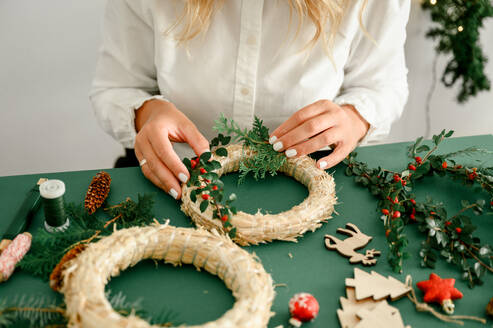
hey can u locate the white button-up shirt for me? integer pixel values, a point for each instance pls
(248, 63)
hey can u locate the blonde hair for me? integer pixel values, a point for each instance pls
(197, 14)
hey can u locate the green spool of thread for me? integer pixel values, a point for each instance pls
(52, 192)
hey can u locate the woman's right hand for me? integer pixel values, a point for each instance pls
(158, 123)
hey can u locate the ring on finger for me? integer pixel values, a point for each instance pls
(143, 162)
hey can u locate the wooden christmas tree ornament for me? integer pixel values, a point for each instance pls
(97, 192)
(376, 286)
(382, 316)
(367, 313)
(348, 246)
(350, 306)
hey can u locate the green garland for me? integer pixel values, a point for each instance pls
(44, 312)
(48, 248)
(457, 33)
(447, 236)
(210, 188)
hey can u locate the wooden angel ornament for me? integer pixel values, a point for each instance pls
(348, 246)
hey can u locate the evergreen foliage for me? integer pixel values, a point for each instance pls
(265, 159)
(457, 32)
(48, 248)
(24, 311)
(448, 236)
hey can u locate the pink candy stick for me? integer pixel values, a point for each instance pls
(13, 254)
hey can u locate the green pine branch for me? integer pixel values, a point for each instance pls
(35, 311)
(47, 248)
(457, 32)
(265, 159)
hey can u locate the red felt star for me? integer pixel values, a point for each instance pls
(437, 289)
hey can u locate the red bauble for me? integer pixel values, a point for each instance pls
(440, 291)
(303, 307)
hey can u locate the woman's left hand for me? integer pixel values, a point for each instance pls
(318, 125)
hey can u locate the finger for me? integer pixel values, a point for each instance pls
(305, 131)
(165, 152)
(195, 139)
(338, 154)
(299, 117)
(327, 137)
(156, 167)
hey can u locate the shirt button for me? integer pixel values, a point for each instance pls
(245, 91)
(252, 40)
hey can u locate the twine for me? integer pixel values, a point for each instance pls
(85, 276)
(424, 307)
(316, 209)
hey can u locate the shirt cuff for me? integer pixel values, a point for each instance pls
(366, 108)
(130, 141)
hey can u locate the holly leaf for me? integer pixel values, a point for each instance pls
(203, 205)
(222, 152)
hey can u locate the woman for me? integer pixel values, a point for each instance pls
(322, 72)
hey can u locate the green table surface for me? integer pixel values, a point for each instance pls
(198, 297)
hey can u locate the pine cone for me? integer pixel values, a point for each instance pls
(97, 192)
(56, 279)
(489, 308)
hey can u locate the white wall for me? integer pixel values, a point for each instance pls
(48, 51)
(472, 118)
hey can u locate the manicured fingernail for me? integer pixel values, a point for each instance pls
(291, 152)
(278, 146)
(183, 177)
(322, 164)
(173, 193)
(272, 139)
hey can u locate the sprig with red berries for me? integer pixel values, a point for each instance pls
(210, 189)
(447, 236)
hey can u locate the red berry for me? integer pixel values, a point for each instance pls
(194, 163)
(224, 218)
(491, 203)
(403, 182)
(214, 187)
(387, 233)
(444, 165)
(207, 180)
(458, 166)
(412, 167)
(396, 214)
(418, 159)
(385, 211)
(397, 178)
(433, 213)
(458, 230)
(447, 223)
(412, 217)
(202, 170)
(412, 201)
(396, 200)
(205, 196)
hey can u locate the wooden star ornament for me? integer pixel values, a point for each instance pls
(442, 291)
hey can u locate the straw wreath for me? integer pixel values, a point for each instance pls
(259, 228)
(86, 276)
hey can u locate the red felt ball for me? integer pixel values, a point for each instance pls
(303, 307)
